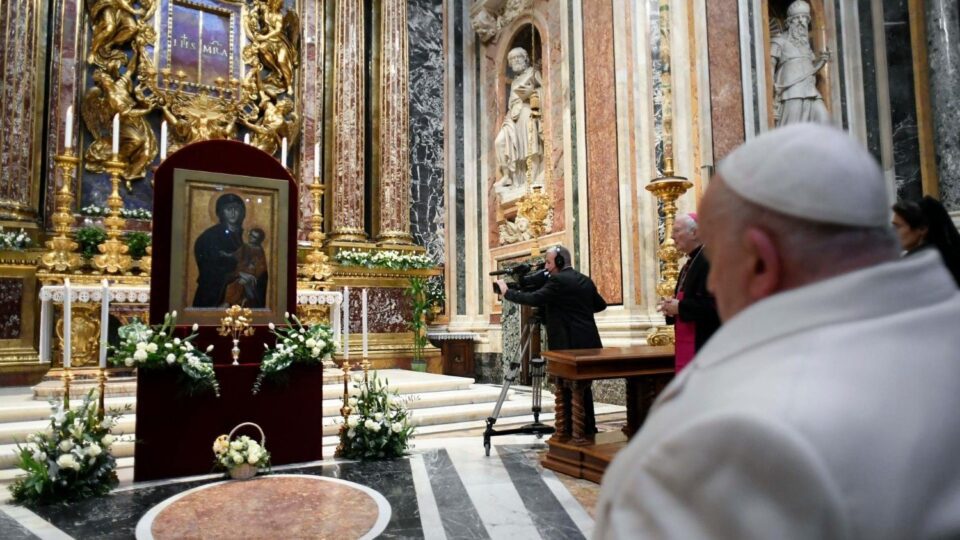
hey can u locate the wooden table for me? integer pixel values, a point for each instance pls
(572, 449)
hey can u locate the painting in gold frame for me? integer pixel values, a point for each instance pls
(229, 246)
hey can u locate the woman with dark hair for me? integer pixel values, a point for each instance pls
(925, 225)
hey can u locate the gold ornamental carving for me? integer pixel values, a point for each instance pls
(84, 335)
(127, 83)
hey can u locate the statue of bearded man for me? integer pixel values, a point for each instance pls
(795, 67)
(520, 134)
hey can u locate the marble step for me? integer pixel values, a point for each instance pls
(442, 398)
(13, 432)
(53, 389)
(31, 410)
(122, 448)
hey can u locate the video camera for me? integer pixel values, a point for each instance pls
(524, 276)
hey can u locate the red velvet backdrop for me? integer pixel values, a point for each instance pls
(175, 432)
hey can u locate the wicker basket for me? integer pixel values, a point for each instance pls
(246, 471)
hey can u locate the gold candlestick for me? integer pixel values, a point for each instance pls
(236, 323)
(102, 380)
(113, 258)
(67, 376)
(667, 189)
(345, 409)
(62, 256)
(316, 267)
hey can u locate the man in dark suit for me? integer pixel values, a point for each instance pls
(693, 310)
(570, 299)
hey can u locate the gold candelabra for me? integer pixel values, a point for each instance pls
(236, 323)
(102, 382)
(316, 267)
(345, 409)
(667, 189)
(66, 376)
(113, 258)
(62, 256)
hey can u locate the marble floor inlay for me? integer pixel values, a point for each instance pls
(445, 488)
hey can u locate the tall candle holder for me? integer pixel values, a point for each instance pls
(63, 256)
(113, 258)
(316, 267)
(102, 383)
(345, 409)
(667, 189)
(236, 323)
(67, 377)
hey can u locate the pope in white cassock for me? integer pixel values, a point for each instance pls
(826, 405)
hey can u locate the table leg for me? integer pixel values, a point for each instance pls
(633, 404)
(580, 432)
(561, 410)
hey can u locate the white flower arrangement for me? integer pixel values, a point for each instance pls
(229, 454)
(129, 213)
(155, 348)
(295, 343)
(71, 460)
(391, 259)
(379, 426)
(14, 241)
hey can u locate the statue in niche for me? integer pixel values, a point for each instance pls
(795, 68)
(519, 144)
(138, 145)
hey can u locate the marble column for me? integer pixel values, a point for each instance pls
(943, 24)
(348, 123)
(394, 193)
(21, 92)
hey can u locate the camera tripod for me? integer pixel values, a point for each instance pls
(537, 371)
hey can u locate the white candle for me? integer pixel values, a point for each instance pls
(104, 322)
(283, 153)
(316, 161)
(68, 133)
(246, 138)
(116, 135)
(66, 323)
(346, 322)
(363, 313)
(163, 140)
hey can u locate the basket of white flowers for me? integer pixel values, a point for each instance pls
(242, 457)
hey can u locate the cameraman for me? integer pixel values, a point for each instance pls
(570, 299)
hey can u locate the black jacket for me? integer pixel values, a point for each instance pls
(570, 299)
(698, 305)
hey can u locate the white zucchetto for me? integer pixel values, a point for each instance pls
(812, 172)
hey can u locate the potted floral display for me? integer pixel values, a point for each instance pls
(296, 343)
(378, 426)
(157, 348)
(71, 460)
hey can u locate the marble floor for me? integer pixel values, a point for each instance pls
(446, 488)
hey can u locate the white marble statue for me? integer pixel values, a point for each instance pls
(795, 67)
(520, 134)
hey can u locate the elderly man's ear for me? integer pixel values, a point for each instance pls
(765, 264)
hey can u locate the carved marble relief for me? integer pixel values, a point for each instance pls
(489, 17)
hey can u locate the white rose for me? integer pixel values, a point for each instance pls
(66, 445)
(195, 327)
(67, 461)
(378, 417)
(396, 427)
(311, 343)
(300, 337)
(140, 355)
(93, 450)
(369, 424)
(375, 428)
(315, 352)
(253, 458)
(174, 314)
(352, 401)
(188, 346)
(351, 421)
(237, 458)
(141, 346)
(168, 345)
(286, 314)
(236, 445)
(107, 440)
(152, 348)
(171, 358)
(176, 341)
(272, 326)
(128, 362)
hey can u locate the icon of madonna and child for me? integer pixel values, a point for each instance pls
(232, 270)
